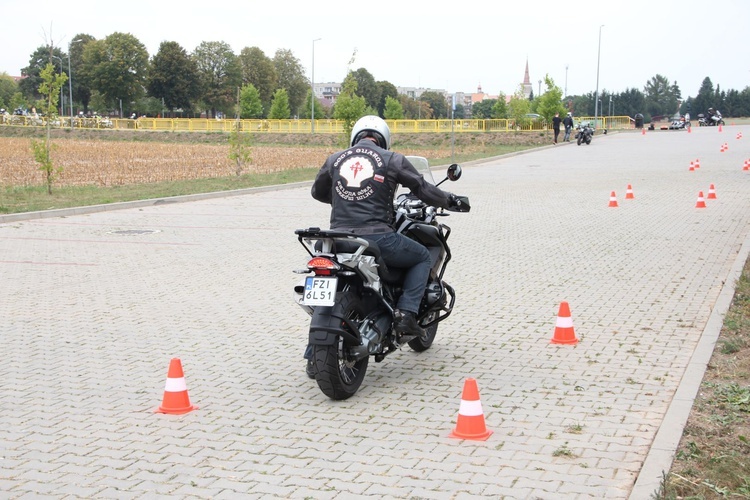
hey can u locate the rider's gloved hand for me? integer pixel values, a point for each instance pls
(453, 201)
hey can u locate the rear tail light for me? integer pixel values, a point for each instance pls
(322, 266)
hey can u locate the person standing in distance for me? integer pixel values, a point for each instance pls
(556, 125)
(360, 183)
(568, 124)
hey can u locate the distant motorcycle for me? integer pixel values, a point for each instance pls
(584, 133)
(713, 120)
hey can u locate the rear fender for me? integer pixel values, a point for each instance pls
(326, 327)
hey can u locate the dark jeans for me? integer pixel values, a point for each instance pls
(399, 251)
(567, 134)
(557, 132)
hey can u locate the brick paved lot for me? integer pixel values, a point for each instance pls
(93, 307)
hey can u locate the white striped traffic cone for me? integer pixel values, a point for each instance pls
(564, 331)
(176, 400)
(470, 424)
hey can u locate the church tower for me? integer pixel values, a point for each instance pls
(527, 81)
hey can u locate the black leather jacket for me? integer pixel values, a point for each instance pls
(360, 183)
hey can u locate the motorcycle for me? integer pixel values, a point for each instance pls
(584, 133)
(350, 293)
(713, 120)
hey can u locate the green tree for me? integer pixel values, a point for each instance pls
(349, 107)
(260, 71)
(519, 107)
(49, 89)
(437, 103)
(250, 105)
(219, 74)
(500, 109)
(385, 90)
(483, 109)
(550, 102)
(29, 86)
(366, 87)
(79, 81)
(172, 76)
(319, 110)
(240, 151)
(8, 87)
(706, 97)
(292, 78)
(393, 109)
(460, 112)
(661, 97)
(116, 67)
(280, 106)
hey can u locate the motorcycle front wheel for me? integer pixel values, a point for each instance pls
(337, 372)
(579, 140)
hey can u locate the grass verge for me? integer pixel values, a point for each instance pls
(713, 458)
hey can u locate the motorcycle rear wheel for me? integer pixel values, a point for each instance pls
(337, 373)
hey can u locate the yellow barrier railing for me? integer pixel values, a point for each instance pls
(305, 126)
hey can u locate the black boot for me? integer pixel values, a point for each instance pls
(405, 323)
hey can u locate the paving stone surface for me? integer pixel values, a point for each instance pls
(94, 305)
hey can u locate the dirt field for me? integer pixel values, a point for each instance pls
(109, 158)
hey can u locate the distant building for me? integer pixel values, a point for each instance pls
(527, 81)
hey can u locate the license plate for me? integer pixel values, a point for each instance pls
(320, 291)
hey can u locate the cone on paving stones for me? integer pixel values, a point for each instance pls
(701, 203)
(470, 423)
(692, 166)
(697, 163)
(643, 131)
(720, 129)
(746, 166)
(711, 193)
(629, 193)
(613, 200)
(176, 400)
(564, 331)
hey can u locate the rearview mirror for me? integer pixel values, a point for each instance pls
(454, 172)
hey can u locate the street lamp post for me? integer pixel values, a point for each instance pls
(540, 89)
(312, 90)
(596, 95)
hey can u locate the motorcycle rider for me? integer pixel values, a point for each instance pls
(568, 124)
(360, 183)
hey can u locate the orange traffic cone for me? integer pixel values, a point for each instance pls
(719, 127)
(701, 203)
(629, 193)
(470, 423)
(690, 129)
(176, 400)
(613, 200)
(564, 332)
(692, 166)
(643, 131)
(711, 193)
(746, 166)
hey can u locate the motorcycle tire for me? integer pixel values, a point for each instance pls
(588, 140)
(579, 141)
(337, 373)
(419, 345)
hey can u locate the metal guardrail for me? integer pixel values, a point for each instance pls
(304, 126)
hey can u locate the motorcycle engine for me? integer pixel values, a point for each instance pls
(433, 292)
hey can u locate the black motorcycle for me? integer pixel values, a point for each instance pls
(350, 293)
(584, 133)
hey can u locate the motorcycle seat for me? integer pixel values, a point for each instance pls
(391, 275)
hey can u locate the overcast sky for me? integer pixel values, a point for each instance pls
(455, 46)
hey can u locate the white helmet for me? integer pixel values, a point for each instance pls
(372, 126)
